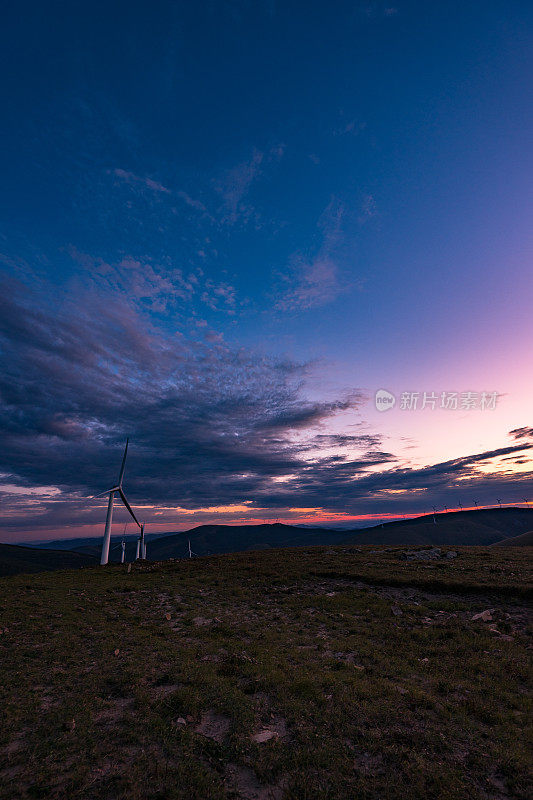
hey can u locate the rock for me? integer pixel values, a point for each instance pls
(451, 554)
(214, 726)
(202, 621)
(180, 721)
(264, 736)
(396, 610)
(486, 616)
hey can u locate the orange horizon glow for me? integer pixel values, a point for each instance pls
(95, 531)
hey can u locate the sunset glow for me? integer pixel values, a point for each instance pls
(204, 254)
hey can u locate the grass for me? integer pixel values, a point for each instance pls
(367, 673)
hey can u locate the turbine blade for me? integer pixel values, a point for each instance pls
(123, 498)
(107, 491)
(123, 465)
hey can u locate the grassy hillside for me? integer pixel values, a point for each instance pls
(525, 540)
(481, 527)
(314, 674)
(14, 559)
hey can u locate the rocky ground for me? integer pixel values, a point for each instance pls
(283, 675)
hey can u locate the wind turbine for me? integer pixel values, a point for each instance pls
(141, 544)
(109, 518)
(123, 545)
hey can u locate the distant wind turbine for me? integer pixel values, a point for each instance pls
(141, 544)
(123, 544)
(109, 518)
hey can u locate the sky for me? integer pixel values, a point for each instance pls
(226, 225)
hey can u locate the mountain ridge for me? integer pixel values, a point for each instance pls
(477, 527)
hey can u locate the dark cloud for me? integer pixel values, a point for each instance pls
(522, 433)
(210, 425)
(351, 487)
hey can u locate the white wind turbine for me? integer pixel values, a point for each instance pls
(109, 518)
(141, 544)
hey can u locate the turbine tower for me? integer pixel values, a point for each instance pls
(142, 542)
(109, 518)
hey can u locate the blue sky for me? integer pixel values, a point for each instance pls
(288, 206)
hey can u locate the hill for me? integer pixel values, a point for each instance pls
(317, 673)
(212, 539)
(481, 527)
(14, 558)
(525, 540)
